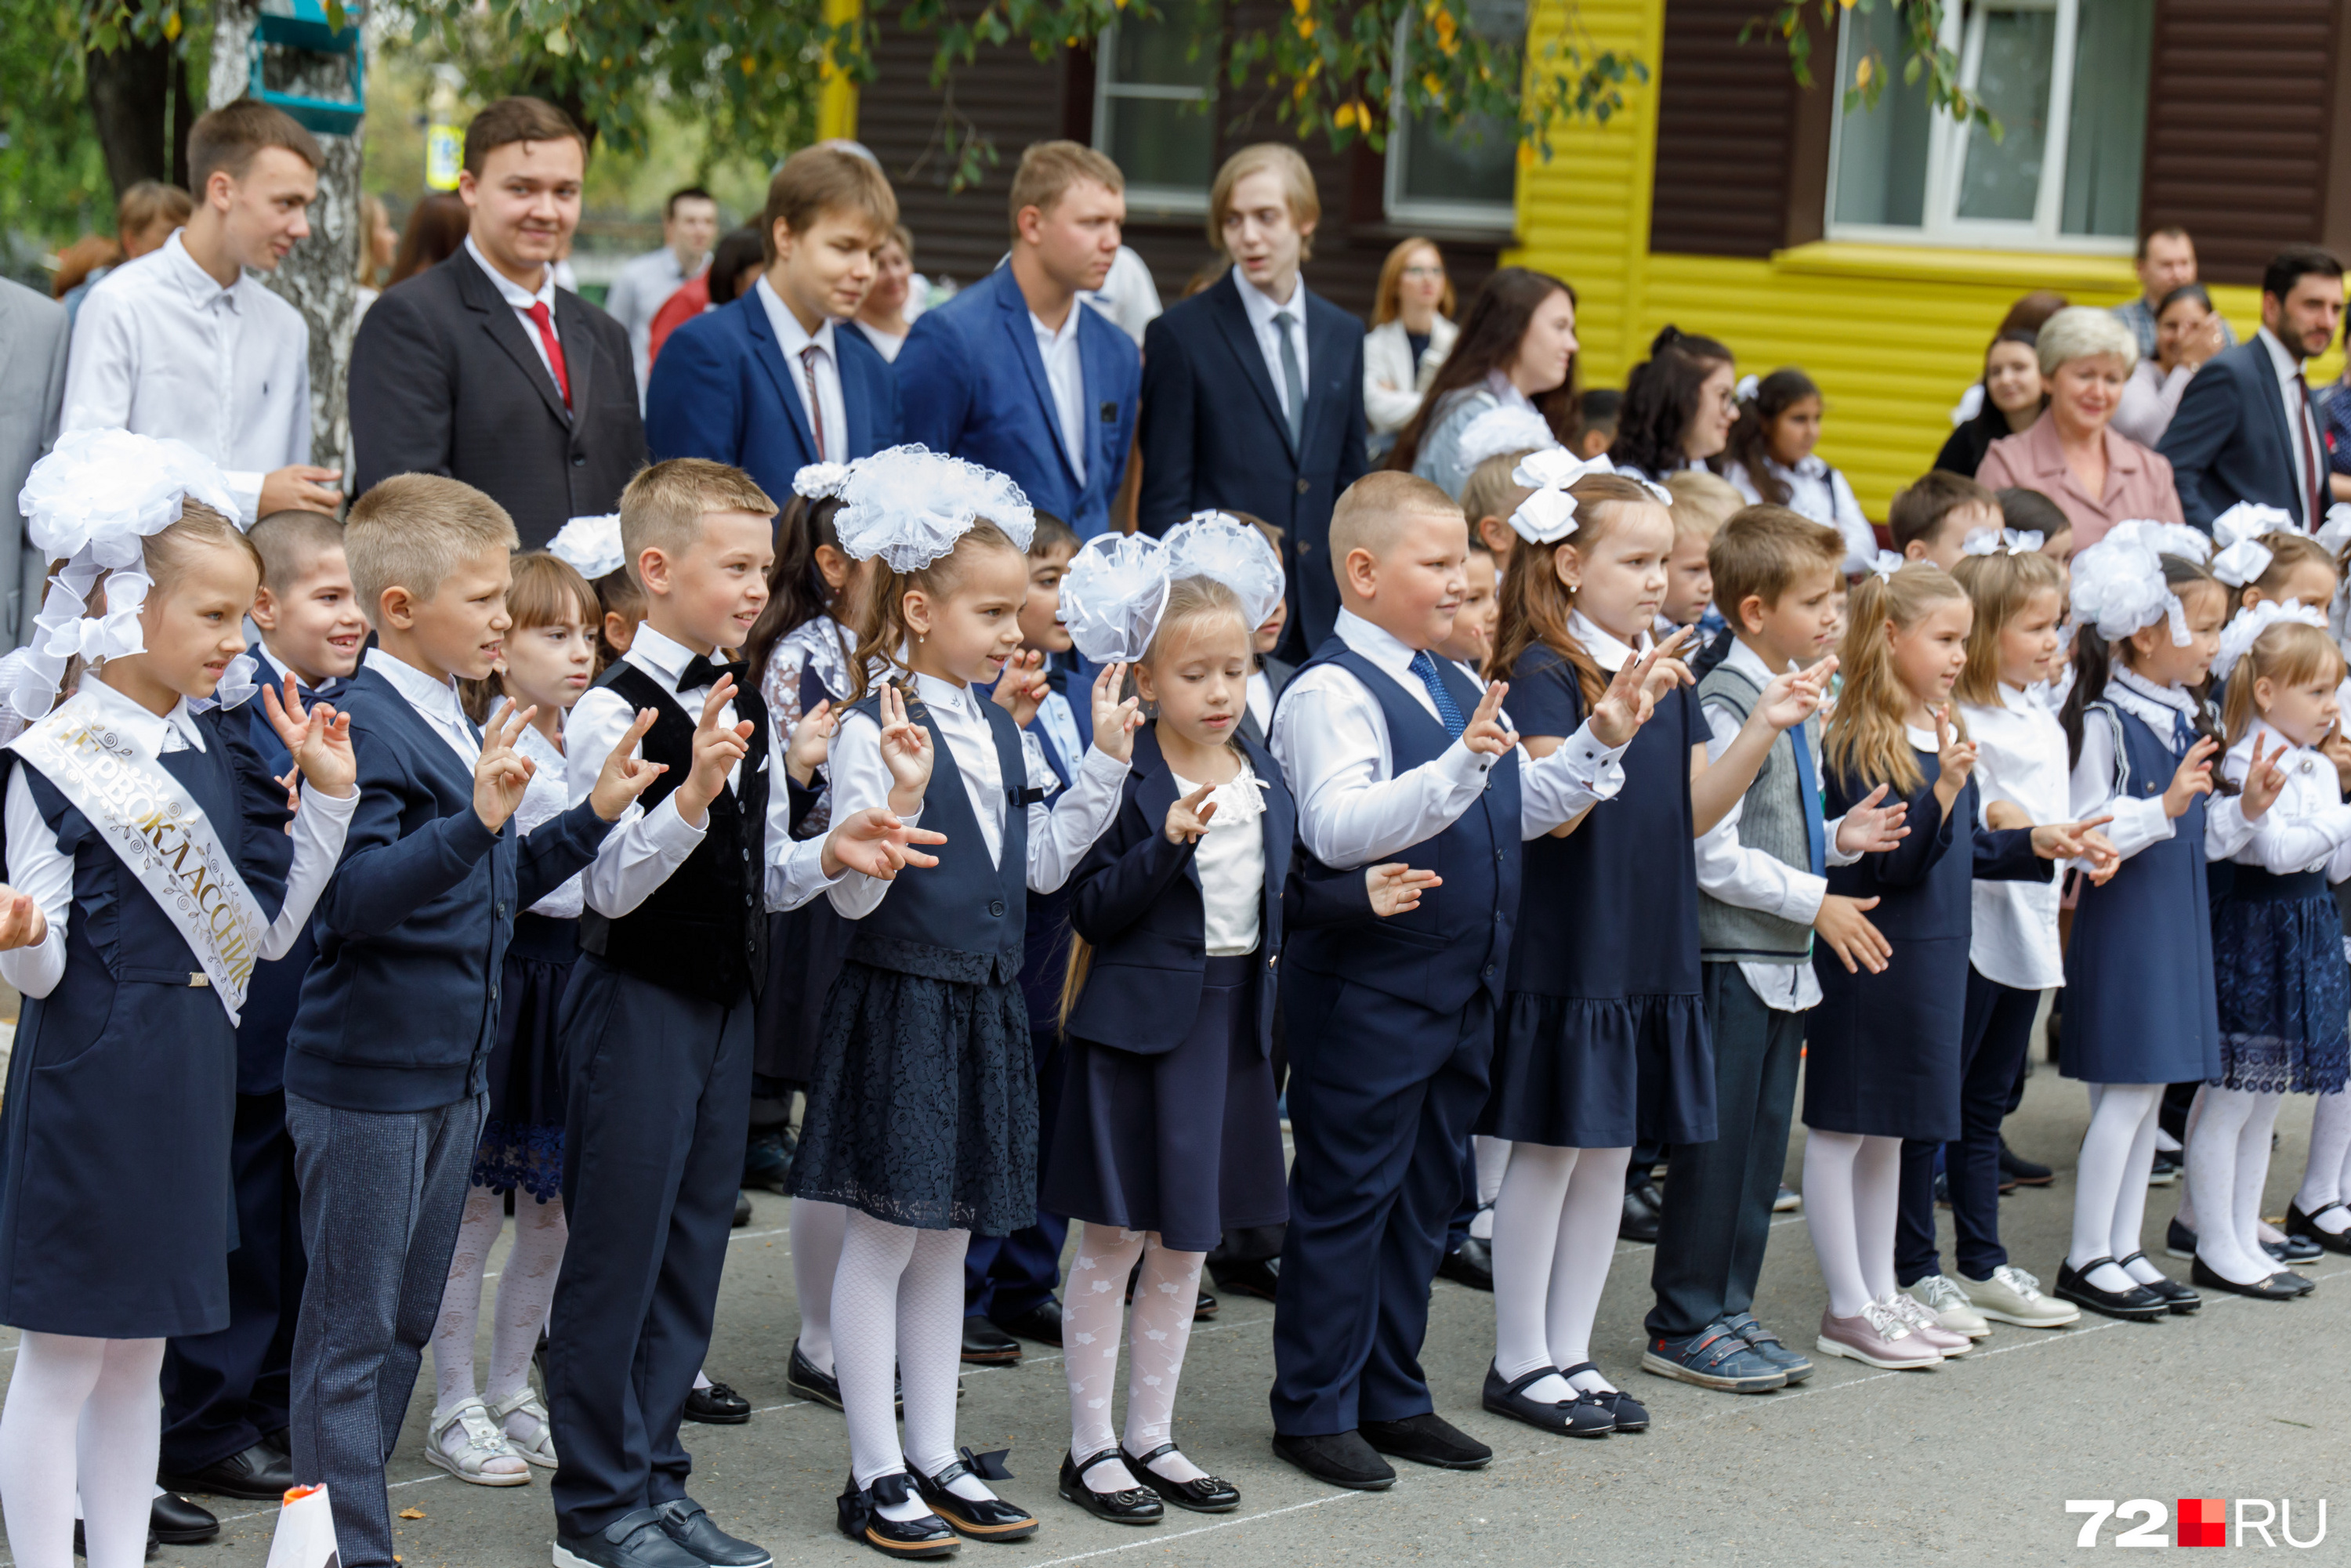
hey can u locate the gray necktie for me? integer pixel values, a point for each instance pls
(1294, 385)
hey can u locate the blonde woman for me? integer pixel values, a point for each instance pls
(1412, 331)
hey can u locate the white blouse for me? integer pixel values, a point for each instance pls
(2019, 759)
(546, 798)
(2308, 826)
(2101, 785)
(1230, 859)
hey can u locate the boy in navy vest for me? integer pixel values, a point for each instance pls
(385, 1069)
(657, 1023)
(1393, 753)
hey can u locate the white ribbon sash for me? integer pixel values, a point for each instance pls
(159, 832)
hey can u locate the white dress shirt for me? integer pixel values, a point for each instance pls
(1819, 492)
(1354, 810)
(641, 288)
(1258, 696)
(2101, 783)
(1067, 377)
(43, 873)
(1059, 722)
(1059, 833)
(793, 338)
(1749, 878)
(161, 348)
(2308, 826)
(1261, 308)
(1128, 295)
(522, 299)
(644, 847)
(1230, 859)
(436, 702)
(886, 344)
(2019, 759)
(2299, 421)
(548, 796)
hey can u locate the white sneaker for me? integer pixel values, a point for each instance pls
(1947, 1309)
(466, 1443)
(2014, 1296)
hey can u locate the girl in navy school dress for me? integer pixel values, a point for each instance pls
(2282, 984)
(2140, 1000)
(1602, 1037)
(494, 1437)
(128, 1039)
(922, 1117)
(1882, 1053)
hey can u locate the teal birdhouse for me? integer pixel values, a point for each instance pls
(292, 40)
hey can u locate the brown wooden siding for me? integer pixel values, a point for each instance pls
(1726, 130)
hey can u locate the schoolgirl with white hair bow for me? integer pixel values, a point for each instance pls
(149, 866)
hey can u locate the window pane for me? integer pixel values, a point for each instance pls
(1159, 54)
(2106, 132)
(1162, 142)
(1881, 152)
(2001, 179)
(1473, 162)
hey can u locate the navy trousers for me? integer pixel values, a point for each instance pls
(1717, 1213)
(1006, 1276)
(659, 1103)
(1383, 1095)
(1999, 1031)
(225, 1392)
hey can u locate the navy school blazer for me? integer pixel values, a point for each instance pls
(1137, 901)
(722, 390)
(399, 1008)
(2230, 440)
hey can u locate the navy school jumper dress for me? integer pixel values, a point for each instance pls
(805, 945)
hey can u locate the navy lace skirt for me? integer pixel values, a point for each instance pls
(2284, 988)
(522, 1135)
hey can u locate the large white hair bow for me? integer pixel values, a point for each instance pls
(2118, 588)
(815, 481)
(2238, 638)
(2163, 539)
(2002, 541)
(1220, 546)
(2237, 531)
(1548, 513)
(909, 506)
(1114, 596)
(2335, 533)
(590, 546)
(1507, 428)
(1887, 564)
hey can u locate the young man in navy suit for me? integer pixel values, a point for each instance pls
(2247, 429)
(1011, 374)
(1253, 388)
(777, 380)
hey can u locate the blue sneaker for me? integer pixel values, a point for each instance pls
(1714, 1357)
(1767, 1344)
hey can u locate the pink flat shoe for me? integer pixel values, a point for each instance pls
(1875, 1338)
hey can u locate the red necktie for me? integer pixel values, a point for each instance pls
(545, 323)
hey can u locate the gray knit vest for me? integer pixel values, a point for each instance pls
(1771, 819)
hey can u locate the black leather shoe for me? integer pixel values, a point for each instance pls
(1129, 1505)
(633, 1541)
(2306, 1226)
(985, 1345)
(2025, 1173)
(1259, 1276)
(2137, 1305)
(174, 1519)
(1042, 1322)
(2179, 1298)
(1210, 1494)
(767, 1161)
(801, 1376)
(1428, 1439)
(2294, 1249)
(860, 1518)
(1470, 1264)
(983, 1519)
(1577, 1417)
(2164, 1170)
(82, 1546)
(2179, 1241)
(1339, 1459)
(260, 1473)
(1631, 1414)
(742, 1208)
(2277, 1287)
(1643, 1205)
(1205, 1308)
(684, 1520)
(718, 1406)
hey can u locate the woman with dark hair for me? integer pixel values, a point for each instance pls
(2010, 395)
(1679, 407)
(1516, 349)
(1770, 458)
(436, 231)
(2188, 331)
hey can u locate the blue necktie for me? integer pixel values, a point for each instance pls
(1815, 838)
(1448, 711)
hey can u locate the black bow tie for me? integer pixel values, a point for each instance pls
(700, 672)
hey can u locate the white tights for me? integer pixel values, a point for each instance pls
(1092, 1304)
(1853, 1189)
(2228, 1165)
(2110, 1183)
(897, 1299)
(1555, 1224)
(84, 1416)
(1490, 1157)
(815, 1257)
(2328, 1177)
(526, 1289)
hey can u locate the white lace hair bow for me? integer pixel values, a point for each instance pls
(816, 481)
(1887, 564)
(2238, 638)
(1220, 546)
(1548, 513)
(2118, 588)
(909, 506)
(2002, 541)
(1114, 596)
(590, 546)
(1626, 471)
(2163, 539)
(1507, 428)
(89, 503)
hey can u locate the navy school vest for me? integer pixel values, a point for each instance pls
(1459, 941)
(963, 919)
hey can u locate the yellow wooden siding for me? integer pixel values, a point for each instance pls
(836, 104)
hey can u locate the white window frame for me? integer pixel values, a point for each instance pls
(1940, 222)
(1401, 208)
(1179, 199)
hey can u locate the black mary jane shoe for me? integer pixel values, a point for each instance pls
(860, 1519)
(802, 1377)
(1582, 1416)
(1129, 1505)
(716, 1405)
(1209, 1494)
(2181, 1299)
(2137, 1305)
(1630, 1413)
(2277, 1287)
(981, 1518)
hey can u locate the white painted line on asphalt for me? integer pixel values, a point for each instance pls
(1155, 1539)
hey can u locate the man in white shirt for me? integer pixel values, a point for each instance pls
(689, 230)
(181, 343)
